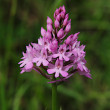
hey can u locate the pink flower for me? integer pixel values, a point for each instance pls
(57, 69)
(54, 46)
(44, 43)
(42, 59)
(27, 63)
(62, 53)
(56, 50)
(37, 47)
(78, 51)
(81, 66)
(87, 74)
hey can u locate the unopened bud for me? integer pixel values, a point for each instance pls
(67, 16)
(62, 15)
(48, 35)
(54, 46)
(43, 31)
(49, 27)
(63, 8)
(58, 17)
(49, 20)
(68, 27)
(68, 40)
(56, 23)
(60, 33)
(65, 21)
(75, 36)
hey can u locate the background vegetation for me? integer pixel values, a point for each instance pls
(20, 24)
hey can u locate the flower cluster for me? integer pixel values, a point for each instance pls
(60, 55)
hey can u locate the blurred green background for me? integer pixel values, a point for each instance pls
(20, 24)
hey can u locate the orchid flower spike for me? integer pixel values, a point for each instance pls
(56, 52)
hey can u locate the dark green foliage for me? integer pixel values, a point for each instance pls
(20, 24)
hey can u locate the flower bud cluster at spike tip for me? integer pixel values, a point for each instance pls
(55, 50)
(62, 24)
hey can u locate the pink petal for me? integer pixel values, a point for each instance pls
(66, 58)
(22, 71)
(66, 68)
(51, 65)
(75, 52)
(60, 57)
(22, 64)
(35, 59)
(29, 65)
(85, 68)
(88, 75)
(38, 63)
(64, 73)
(80, 67)
(55, 55)
(23, 58)
(45, 62)
(40, 41)
(50, 71)
(57, 74)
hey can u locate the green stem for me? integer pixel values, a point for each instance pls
(54, 96)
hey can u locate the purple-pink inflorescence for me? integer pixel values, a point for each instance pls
(60, 55)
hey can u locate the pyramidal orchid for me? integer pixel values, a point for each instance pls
(60, 55)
